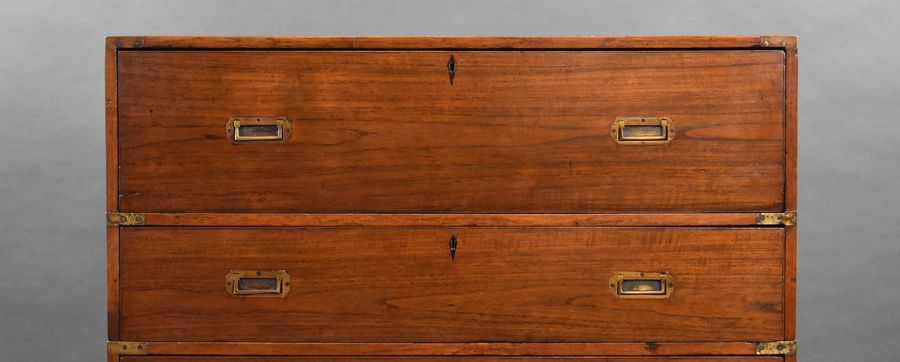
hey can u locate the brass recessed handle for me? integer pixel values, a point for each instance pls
(258, 129)
(642, 130)
(644, 285)
(258, 283)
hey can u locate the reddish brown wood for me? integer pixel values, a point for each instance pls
(417, 222)
(112, 282)
(400, 285)
(790, 283)
(791, 125)
(451, 349)
(449, 220)
(112, 140)
(523, 132)
(112, 199)
(450, 359)
(791, 129)
(454, 43)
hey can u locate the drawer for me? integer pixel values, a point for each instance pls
(448, 359)
(405, 285)
(386, 131)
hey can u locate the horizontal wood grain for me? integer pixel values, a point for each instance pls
(445, 359)
(456, 42)
(401, 285)
(448, 220)
(521, 132)
(450, 349)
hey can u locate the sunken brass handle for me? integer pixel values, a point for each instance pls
(642, 130)
(258, 129)
(258, 283)
(646, 285)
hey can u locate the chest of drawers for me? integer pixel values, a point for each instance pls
(483, 199)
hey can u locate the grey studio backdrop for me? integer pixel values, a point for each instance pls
(52, 271)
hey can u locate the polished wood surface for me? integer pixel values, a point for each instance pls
(452, 43)
(452, 349)
(112, 130)
(449, 220)
(112, 193)
(513, 154)
(401, 285)
(523, 132)
(447, 359)
(791, 125)
(112, 282)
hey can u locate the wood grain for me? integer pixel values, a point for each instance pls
(452, 43)
(513, 158)
(791, 125)
(400, 284)
(112, 130)
(451, 349)
(446, 359)
(449, 220)
(112, 282)
(519, 132)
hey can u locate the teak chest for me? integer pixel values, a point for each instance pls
(478, 199)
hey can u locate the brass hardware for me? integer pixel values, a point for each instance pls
(777, 218)
(124, 218)
(258, 129)
(258, 283)
(127, 348)
(785, 348)
(642, 130)
(642, 285)
(777, 41)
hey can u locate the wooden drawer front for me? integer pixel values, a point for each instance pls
(448, 359)
(401, 285)
(385, 131)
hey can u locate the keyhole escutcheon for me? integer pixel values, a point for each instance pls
(451, 68)
(453, 243)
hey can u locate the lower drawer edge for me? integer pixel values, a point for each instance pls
(449, 359)
(482, 352)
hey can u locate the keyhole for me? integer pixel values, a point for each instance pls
(451, 68)
(453, 247)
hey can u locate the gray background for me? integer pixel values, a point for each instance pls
(52, 272)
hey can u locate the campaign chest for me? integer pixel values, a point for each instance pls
(480, 199)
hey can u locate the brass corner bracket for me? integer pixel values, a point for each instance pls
(784, 348)
(786, 218)
(126, 348)
(125, 218)
(778, 41)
